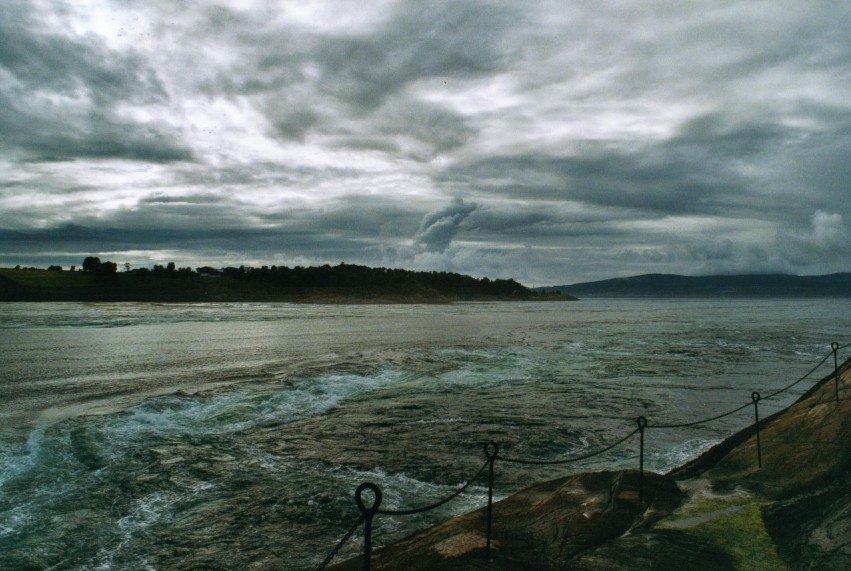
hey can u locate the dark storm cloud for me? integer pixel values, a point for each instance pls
(698, 171)
(58, 95)
(184, 200)
(213, 225)
(423, 40)
(94, 136)
(437, 229)
(359, 216)
(411, 41)
(352, 86)
(256, 174)
(548, 141)
(39, 57)
(543, 223)
(268, 241)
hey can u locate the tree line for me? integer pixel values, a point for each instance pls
(383, 280)
(344, 277)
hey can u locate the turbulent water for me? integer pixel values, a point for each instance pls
(144, 436)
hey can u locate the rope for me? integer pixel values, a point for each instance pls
(568, 460)
(454, 494)
(438, 503)
(339, 545)
(696, 422)
(810, 372)
(744, 406)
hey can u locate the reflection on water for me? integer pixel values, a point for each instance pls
(167, 436)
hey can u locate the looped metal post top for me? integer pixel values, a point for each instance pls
(755, 397)
(834, 346)
(491, 450)
(376, 491)
(642, 422)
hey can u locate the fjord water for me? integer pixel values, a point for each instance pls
(145, 436)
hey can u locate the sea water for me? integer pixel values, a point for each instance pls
(158, 436)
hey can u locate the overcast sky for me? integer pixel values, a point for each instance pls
(552, 142)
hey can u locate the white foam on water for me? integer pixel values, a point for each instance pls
(47, 471)
(437, 421)
(48, 457)
(735, 345)
(17, 459)
(144, 512)
(244, 410)
(400, 491)
(14, 519)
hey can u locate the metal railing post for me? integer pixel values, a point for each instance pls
(835, 347)
(491, 451)
(642, 424)
(755, 398)
(368, 513)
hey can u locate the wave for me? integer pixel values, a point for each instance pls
(144, 512)
(244, 410)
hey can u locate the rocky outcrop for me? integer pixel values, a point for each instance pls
(720, 511)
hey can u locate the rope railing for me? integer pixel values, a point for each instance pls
(703, 420)
(491, 451)
(771, 395)
(568, 460)
(810, 372)
(438, 503)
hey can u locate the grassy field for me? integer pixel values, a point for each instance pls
(45, 278)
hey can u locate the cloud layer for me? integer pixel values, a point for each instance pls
(549, 142)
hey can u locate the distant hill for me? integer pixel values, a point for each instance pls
(344, 283)
(750, 285)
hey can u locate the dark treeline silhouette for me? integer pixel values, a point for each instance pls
(169, 269)
(100, 280)
(94, 265)
(352, 277)
(348, 277)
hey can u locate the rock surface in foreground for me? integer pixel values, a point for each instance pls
(543, 526)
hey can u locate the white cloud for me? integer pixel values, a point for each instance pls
(828, 230)
(438, 228)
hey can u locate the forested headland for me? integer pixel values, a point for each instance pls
(343, 283)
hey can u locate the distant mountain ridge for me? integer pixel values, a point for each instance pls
(744, 285)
